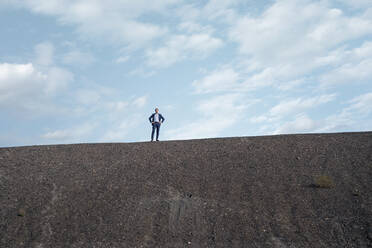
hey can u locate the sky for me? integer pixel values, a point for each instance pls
(92, 71)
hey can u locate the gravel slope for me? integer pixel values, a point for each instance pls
(227, 192)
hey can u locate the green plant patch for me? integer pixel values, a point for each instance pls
(324, 182)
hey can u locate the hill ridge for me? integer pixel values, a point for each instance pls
(301, 190)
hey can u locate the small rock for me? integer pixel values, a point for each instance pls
(21, 212)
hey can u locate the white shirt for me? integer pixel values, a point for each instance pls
(156, 117)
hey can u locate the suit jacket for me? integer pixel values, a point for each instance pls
(161, 118)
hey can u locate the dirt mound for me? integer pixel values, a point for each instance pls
(274, 191)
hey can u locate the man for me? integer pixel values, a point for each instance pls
(156, 120)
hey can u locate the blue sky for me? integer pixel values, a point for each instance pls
(77, 71)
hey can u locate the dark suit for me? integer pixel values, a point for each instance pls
(156, 125)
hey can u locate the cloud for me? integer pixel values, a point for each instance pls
(94, 98)
(350, 66)
(195, 27)
(217, 114)
(140, 101)
(301, 124)
(122, 59)
(293, 39)
(297, 105)
(213, 10)
(356, 4)
(291, 44)
(292, 107)
(78, 58)
(88, 96)
(349, 73)
(74, 134)
(44, 54)
(290, 30)
(221, 9)
(343, 56)
(29, 89)
(218, 80)
(23, 85)
(179, 47)
(361, 104)
(103, 117)
(230, 78)
(114, 21)
(354, 117)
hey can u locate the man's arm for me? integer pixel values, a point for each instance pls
(150, 118)
(162, 119)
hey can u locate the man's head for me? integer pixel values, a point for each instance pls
(157, 110)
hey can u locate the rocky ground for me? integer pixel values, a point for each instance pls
(301, 191)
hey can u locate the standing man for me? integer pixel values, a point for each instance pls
(156, 119)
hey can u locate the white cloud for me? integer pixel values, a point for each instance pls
(349, 73)
(218, 80)
(44, 54)
(74, 134)
(293, 38)
(235, 79)
(195, 27)
(350, 66)
(142, 72)
(259, 119)
(99, 99)
(31, 87)
(354, 117)
(78, 58)
(104, 116)
(169, 107)
(88, 96)
(301, 124)
(179, 47)
(221, 104)
(213, 10)
(218, 113)
(342, 56)
(295, 41)
(278, 114)
(122, 59)
(12, 75)
(357, 3)
(22, 83)
(291, 30)
(220, 10)
(140, 101)
(57, 79)
(361, 104)
(110, 20)
(119, 129)
(297, 105)
(189, 12)
(117, 106)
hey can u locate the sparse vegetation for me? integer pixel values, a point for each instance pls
(324, 181)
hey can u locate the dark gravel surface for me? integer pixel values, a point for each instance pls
(227, 192)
